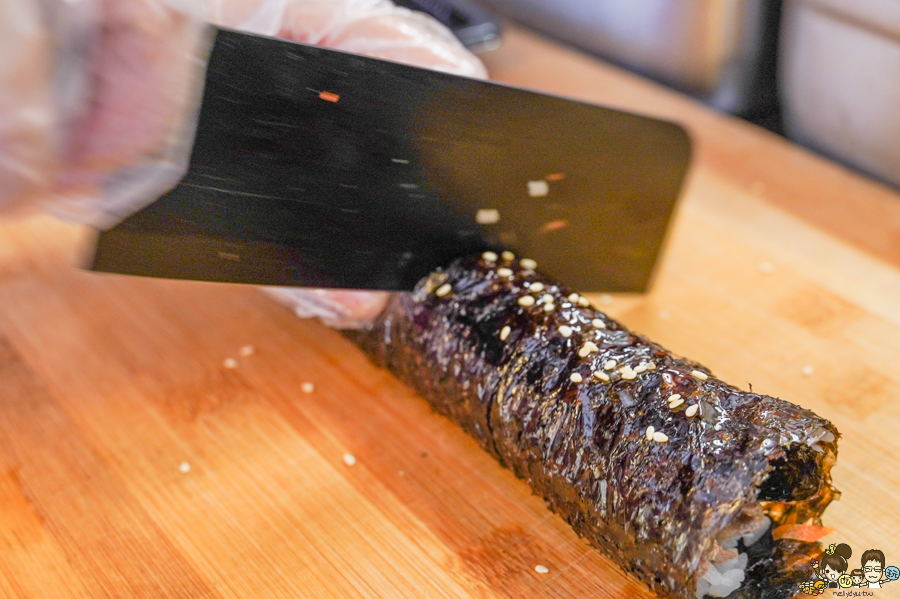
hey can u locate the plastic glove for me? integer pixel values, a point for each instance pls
(99, 98)
(99, 95)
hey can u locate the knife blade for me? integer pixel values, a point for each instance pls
(318, 168)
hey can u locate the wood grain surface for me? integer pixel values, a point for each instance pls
(134, 463)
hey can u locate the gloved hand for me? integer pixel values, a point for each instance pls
(98, 98)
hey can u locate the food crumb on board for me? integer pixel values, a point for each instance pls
(307, 387)
(247, 350)
(554, 225)
(555, 177)
(329, 96)
(606, 298)
(541, 569)
(808, 370)
(487, 216)
(766, 268)
(230, 363)
(538, 189)
(184, 467)
(349, 459)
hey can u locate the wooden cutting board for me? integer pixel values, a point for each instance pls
(134, 463)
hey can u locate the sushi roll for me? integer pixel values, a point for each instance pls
(694, 486)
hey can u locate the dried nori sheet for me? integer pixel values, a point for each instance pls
(654, 507)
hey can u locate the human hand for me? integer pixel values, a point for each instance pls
(95, 122)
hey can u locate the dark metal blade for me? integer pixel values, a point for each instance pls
(318, 168)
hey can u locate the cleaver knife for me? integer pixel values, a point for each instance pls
(317, 168)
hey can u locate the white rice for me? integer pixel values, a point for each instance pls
(722, 579)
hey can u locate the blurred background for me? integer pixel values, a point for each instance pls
(823, 73)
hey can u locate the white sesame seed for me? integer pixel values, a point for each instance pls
(674, 397)
(565, 331)
(528, 263)
(307, 387)
(692, 410)
(536, 287)
(508, 256)
(541, 569)
(504, 333)
(609, 364)
(537, 189)
(504, 272)
(766, 268)
(443, 290)
(700, 376)
(489, 256)
(673, 405)
(599, 374)
(627, 373)
(526, 301)
(575, 377)
(649, 433)
(184, 467)
(230, 363)
(349, 459)
(660, 437)
(651, 365)
(583, 302)
(549, 307)
(487, 216)
(599, 324)
(808, 370)
(587, 349)
(247, 351)
(547, 298)
(573, 297)
(640, 368)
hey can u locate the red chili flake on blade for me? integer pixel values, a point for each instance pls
(554, 225)
(555, 177)
(329, 96)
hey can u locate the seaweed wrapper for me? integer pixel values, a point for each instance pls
(502, 367)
